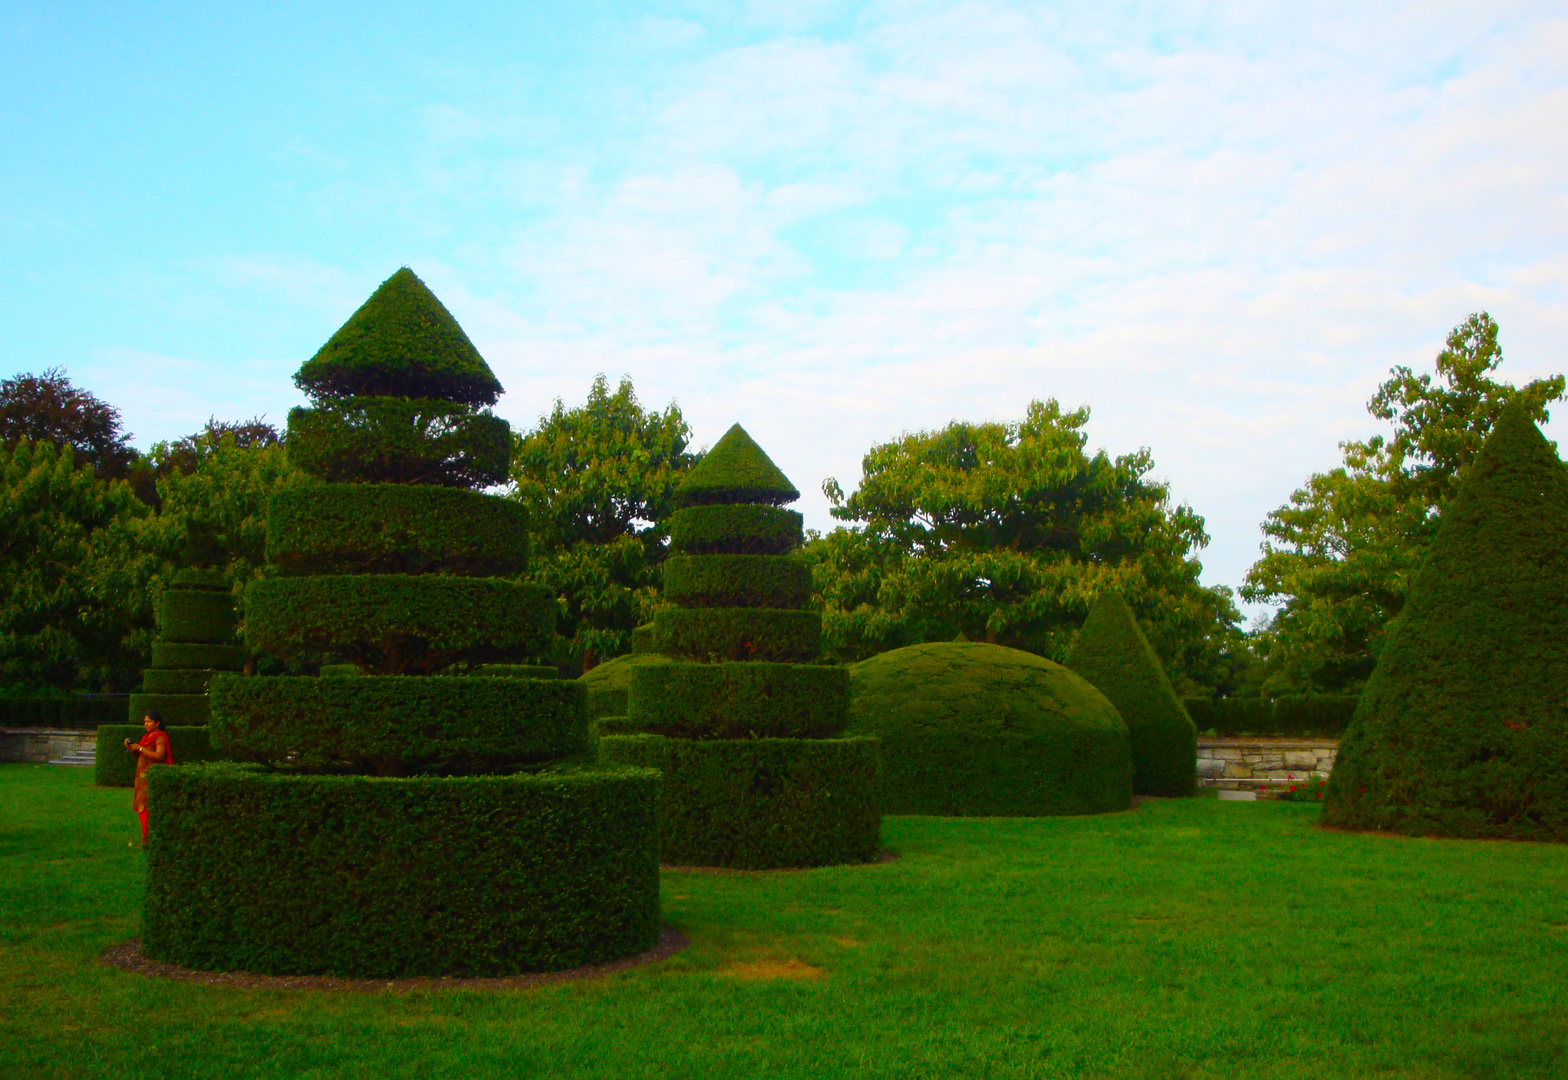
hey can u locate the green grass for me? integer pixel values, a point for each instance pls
(1183, 939)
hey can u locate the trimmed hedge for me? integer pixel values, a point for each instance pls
(1320, 716)
(113, 767)
(382, 621)
(789, 637)
(609, 684)
(736, 470)
(395, 529)
(170, 654)
(61, 712)
(518, 671)
(174, 681)
(740, 701)
(401, 342)
(400, 441)
(734, 530)
(186, 710)
(356, 876)
(197, 616)
(983, 730)
(395, 726)
(1113, 654)
(340, 671)
(192, 578)
(752, 581)
(758, 804)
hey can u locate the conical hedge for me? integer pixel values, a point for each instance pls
(1113, 654)
(402, 342)
(1462, 729)
(736, 470)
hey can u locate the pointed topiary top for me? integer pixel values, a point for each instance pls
(402, 342)
(1462, 729)
(736, 471)
(1115, 656)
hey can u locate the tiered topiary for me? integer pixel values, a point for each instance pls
(977, 730)
(1462, 729)
(744, 725)
(196, 637)
(1115, 656)
(405, 824)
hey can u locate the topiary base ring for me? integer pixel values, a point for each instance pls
(128, 956)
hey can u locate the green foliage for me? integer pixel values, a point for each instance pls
(59, 712)
(175, 681)
(734, 529)
(981, 730)
(517, 671)
(364, 877)
(1006, 533)
(185, 710)
(1341, 555)
(740, 700)
(1461, 730)
(595, 479)
(756, 804)
(395, 623)
(210, 657)
(1113, 654)
(609, 684)
(400, 441)
(113, 766)
(399, 726)
(402, 342)
(1317, 716)
(754, 581)
(736, 470)
(197, 616)
(73, 576)
(396, 529)
(788, 637)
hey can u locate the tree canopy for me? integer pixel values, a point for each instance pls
(47, 408)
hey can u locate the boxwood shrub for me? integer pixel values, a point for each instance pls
(756, 804)
(400, 441)
(170, 654)
(518, 671)
(358, 876)
(734, 530)
(395, 529)
(736, 470)
(387, 620)
(200, 616)
(399, 725)
(738, 634)
(113, 767)
(185, 709)
(752, 581)
(740, 701)
(175, 681)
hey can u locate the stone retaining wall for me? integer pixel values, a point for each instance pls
(41, 745)
(1238, 763)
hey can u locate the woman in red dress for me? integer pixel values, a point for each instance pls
(154, 749)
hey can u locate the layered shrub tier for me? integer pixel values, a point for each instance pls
(741, 701)
(395, 529)
(728, 529)
(760, 803)
(196, 616)
(401, 441)
(170, 654)
(714, 634)
(350, 875)
(743, 581)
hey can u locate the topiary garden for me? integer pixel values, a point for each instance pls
(745, 725)
(427, 820)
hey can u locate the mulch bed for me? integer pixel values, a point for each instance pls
(885, 856)
(128, 956)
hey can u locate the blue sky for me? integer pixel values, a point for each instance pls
(1217, 224)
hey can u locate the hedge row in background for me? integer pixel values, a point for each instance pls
(741, 701)
(734, 530)
(396, 726)
(395, 529)
(354, 876)
(1321, 716)
(61, 712)
(760, 803)
(748, 581)
(113, 767)
(714, 634)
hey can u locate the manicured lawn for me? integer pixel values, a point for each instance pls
(1183, 939)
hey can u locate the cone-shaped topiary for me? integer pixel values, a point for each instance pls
(1462, 729)
(402, 342)
(1113, 654)
(467, 852)
(736, 471)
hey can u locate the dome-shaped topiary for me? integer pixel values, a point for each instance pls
(1462, 729)
(1115, 656)
(610, 683)
(736, 470)
(983, 730)
(402, 342)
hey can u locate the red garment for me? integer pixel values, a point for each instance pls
(150, 740)
(143, 763)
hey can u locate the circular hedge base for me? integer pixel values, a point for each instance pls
(975, 730)
(760, 804)
(360, 877)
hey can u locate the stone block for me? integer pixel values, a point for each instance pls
(1300, 759)
(1237, 769)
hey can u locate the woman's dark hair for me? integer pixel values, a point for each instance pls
(155, 716)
